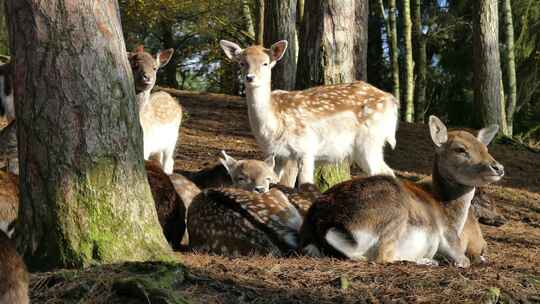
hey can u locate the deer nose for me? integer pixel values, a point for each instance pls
(250, 77)
(497, 168)
(145, 78)
(260, 189)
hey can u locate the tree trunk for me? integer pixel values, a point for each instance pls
(420, 63)
(487, 66)
(170, 71)
(377, 68)
(327, 57)
(246, 12)
(409, 63)
(511, 87)
(280, 20)
(259, 26)
(361, 18)
(392, 37)
(84, 192)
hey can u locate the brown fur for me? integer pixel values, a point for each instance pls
(9, 197)
(14, 277)
(170, 209)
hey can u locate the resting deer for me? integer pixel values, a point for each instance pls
(328, 123)
(384, 219)
(14, 277)
(239, 222)
(159, 113)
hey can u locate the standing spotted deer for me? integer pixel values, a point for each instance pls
(384, 219)
(328, 123)
(251, 219)
(160, 114)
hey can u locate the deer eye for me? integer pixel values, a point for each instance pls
(243, 65)
(460, 150)
(241, 179)
(265, 64)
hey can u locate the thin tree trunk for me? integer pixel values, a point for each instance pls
(259, 26)
(280, 19)
(84, 192)
(170, 69)
(327, 57)
(361, 38)
(392, 37)
(420, 62)
(409, 63)
(246, 12)
(376, 64)
(487, 65)
(511, 86)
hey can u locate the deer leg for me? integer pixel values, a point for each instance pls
(287, 169)
(307, 166)
(168, 160)
(370, 157)
(451, 247)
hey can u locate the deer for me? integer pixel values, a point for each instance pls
(14, 278)
(324, 123)
(252, 218)
(159, 113)
(383, 219)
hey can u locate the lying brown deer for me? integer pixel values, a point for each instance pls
(14, 277)
(383, 219)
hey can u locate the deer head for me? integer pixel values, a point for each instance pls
(6, 91)
(251, 175)
(256, 62)
(145, 67)
(463, 158)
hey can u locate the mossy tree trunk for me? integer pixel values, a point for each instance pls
(327, 51)
(84, 193)
(487, 65)
(280, 20)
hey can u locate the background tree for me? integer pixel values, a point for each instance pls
(280, 20)
(510, 65)
(393, 45)
(408, 62)
(361, 20)
(420, 62)
(487, 65)
(84, 192)
(327, 51)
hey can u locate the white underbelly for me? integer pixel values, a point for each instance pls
(417, 244)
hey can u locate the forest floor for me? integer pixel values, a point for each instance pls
(215, 122)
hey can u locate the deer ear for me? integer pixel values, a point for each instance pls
(487, 134)
(228, 162)
(270, 161)
(278, 50)
(231, 49)
(138, 49)
(438, 131)
(163, 57)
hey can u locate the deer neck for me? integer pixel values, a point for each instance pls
(143, 99)
(262, 116)
(456, 198)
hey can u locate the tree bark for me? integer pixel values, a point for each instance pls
(280, 20)
(361, 27)
(84, 192)
(259, 26)
(409, 63)
(246, 12)
(420, 63)
(392, 37)
(511, 86)
(170, 69)
(327, 52)
(487, 65)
